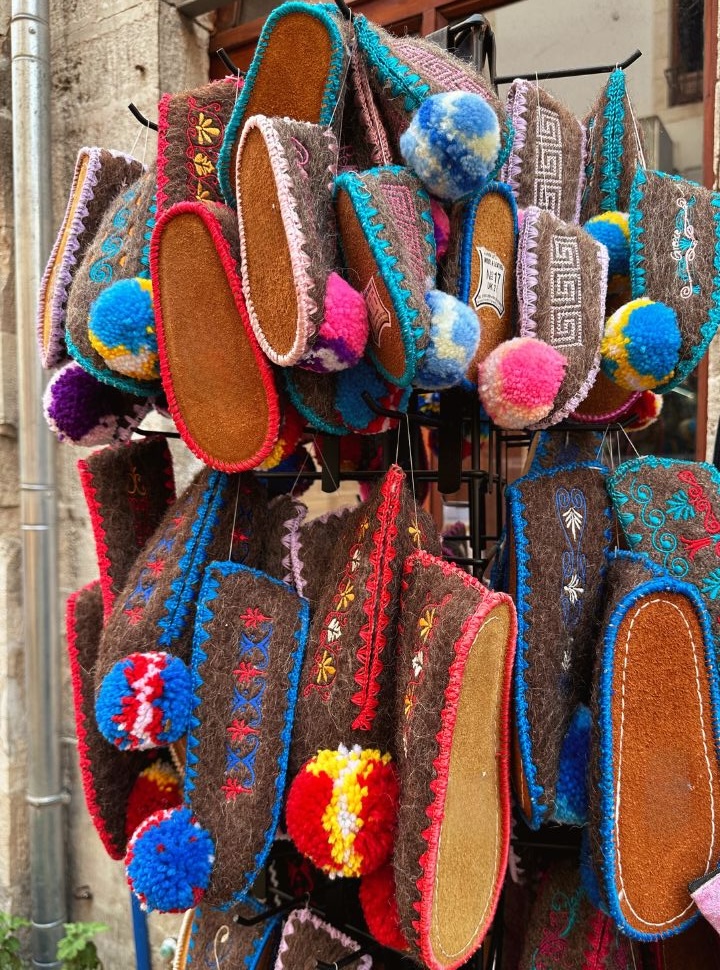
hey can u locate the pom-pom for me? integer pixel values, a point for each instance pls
(641, 345)
(644, 412)
(612, 229)
(380, 908)
(519, 381)
(157, 788)
(340, 342)
(452, 144)
(341, 810)
(441, 227)
(169, 861)
(355, 412)
(454, 337)
(571, 793)
(144, 701)
(121, 328)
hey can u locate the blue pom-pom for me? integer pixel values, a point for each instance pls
(351, 383)
(454, 337)
(144, 701)
(169, 861)
(452, 144)
(612, 230)
(641, 345)
(571, 793)
(121, 328)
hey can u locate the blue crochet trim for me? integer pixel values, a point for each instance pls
(400, 293)
(468, 231)
(612, 144)
(183, 587)
(665, 584)
(307, 412)
(330, 98)
(123, 383)
(637, 244)
(626, 555)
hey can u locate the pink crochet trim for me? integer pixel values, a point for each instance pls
(607, 416)
(296, 553)
(517, 110)
(306, 916)
(374, 128)
(163, 145)
(527, 272)
(291, 527)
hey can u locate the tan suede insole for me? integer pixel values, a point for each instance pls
(666, 784)
(605, 397)
(215, 375)
(269, 268)
(470, 842)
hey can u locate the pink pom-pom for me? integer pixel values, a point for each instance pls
(441, 222)
(340, 342)
(519, 381)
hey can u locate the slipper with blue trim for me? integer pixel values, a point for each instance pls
(215, 938)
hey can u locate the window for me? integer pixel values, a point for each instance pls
(685, 74)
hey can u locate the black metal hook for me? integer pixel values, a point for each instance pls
(424, 419)
(225, 58)
(267, 914)
(570, 72)
(139, 116)
(345, 962)
(344, 9)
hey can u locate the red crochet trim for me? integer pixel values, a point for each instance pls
(204, 212)
(101, 548)
(372, 632)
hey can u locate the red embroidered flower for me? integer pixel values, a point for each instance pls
(134, 615)
(252, 617)
(246, 671)
(156, 566)
(232, 788)
(240, 729)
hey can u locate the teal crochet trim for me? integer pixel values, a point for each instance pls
(637, 243)
(121, 381)
(612, 143)
(331, 94)
(401, 293)
(307, 412)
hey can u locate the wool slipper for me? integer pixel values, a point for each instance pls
(99, 174)
(307, 939)
(245, 674)
(118, 251)
(283, 522)
(298, 71)
(364, 139)
(196, 243)
(215, 938)
(191, 127)
(670, 510)
(654, 778)
(311, 549)
(549, 450)
(606, 402)
(455, 655)
(556, 569)
(614, 150)
(388, 240)
(545, 168)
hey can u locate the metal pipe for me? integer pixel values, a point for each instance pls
(30, 45)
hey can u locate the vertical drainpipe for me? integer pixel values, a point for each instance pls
(30, 45)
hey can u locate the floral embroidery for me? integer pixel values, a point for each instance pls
(683, 245)
(663, 540)
(702, 506)
(134, 606)
(203, 165)
(101, 271)
(571, 511)
(426, 629)
(552, 951)
(326, 670)
(205, 131)
(679, 506)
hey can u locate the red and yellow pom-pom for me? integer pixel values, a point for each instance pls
(342, 808)
(380, 908)
(157, 787)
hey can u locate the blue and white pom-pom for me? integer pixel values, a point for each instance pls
(121, 328)
(454, 338)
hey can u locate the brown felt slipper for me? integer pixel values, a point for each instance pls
(311, 549)
(219, 385)
(455, 654)
(99, 175)
(606, 402)
(215, 939)
(283, 523)
(128, 489)
(306, 939)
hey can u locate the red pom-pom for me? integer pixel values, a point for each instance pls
(380, 909)
(157, 787)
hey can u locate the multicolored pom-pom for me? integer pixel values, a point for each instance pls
(158, 787)
(452, 144)
(641, 345)
(144, 701)
(169, 861)
(612, 229)
(519, 381)
(454, 337)
(644, 412)
(380, 908)
(121, 328)
(340, 342)
(341, 810)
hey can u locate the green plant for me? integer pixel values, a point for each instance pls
(10, 926)
(77, 948)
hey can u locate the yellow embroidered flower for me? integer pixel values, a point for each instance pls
(203, 165)
(426, 623)
(347, 595)
(326, 668)
(409, 700)
(364, 526)
(207, 130)
(415, 537)
(201, 193)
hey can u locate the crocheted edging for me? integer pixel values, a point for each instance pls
(296, 553)
(306, 916)
(516, 108)
(469, 219)
(666, 584)
(389, 69)
(607, 416)
(507, 139)
(128, 384)
(331, 94)
(203, 212)
(147, 238)
(374, 127)
(250, 959)
(289, 541)
(527, 272)
(612, 141)
(309, 314)
(637, 230)
(97, 523)
(310, 414)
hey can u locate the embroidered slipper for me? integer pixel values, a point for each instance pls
(673, 260)
(311, 548)
(550, 450)
(214, 938)
(556, 569)
(99, 174)
(388, 240)
(247, 654)
(283, 522)
(307, 939)
(298, 71)
(655, 779)
(365, 142)
(210, 357)
(545, 168)
(455, 655)
(128, 489)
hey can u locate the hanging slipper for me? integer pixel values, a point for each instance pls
(284, 519)
(655, 779)
(245, 674)
(298, 71)
(455, 654)
(210, 356)
(556, 569)
(307, 939)
(99, 174)
(606, 402)
(215, 938)
(364, 139)
(549, 450)
(311, 548)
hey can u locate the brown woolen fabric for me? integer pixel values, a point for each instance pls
(306, 938)
(317, 544)
(284, 519)
(218, 940)
(364, 139)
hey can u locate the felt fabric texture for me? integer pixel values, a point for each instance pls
(128, 489)
(191, 127)
(214, 938)
(219, 385)
(388, 241)
(605, 402)
(283, 522)
(108, 775)
(674, 247)
(347, 684)
(670, 511)
(81, 410)
(98, 176)
(285, 171)
(306, 938)
(559, 528)
(365, 142)
(248, 648)
(550, 450)
(118, 251)
(654, 773)
(545, 168)
(298, 71)
(562, 283)
(455, 654)
(311, 549)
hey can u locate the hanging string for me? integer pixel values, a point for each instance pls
(325, 465)
(234, 521)
(412, 474)
(638, 139)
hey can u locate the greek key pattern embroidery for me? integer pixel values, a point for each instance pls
(101, 271)
(683, 245)
(571, 511)
(204, 133)
(548, 160)
(250, 681)
(565, 292)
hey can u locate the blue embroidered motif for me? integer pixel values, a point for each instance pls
(571, 511)
(101, 271)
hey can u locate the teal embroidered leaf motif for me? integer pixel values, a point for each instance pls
(711, 584)
(634, 539)
(626, 519)
(679, 507)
